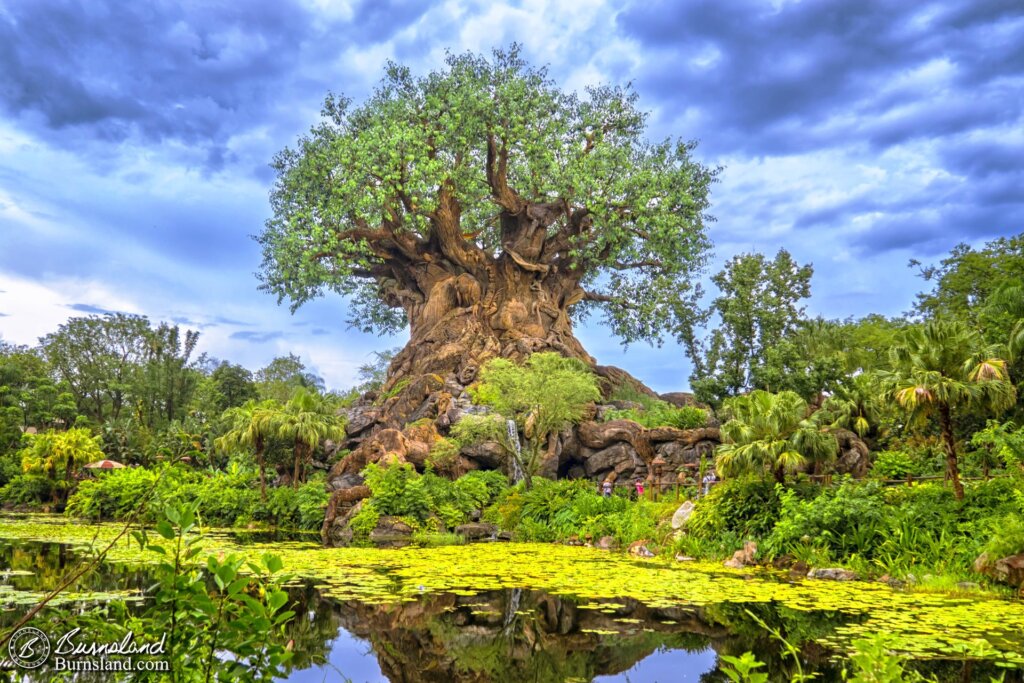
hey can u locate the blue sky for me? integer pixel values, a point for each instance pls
(135, 139)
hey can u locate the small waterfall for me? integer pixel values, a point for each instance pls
(517, 454)
(512, 608)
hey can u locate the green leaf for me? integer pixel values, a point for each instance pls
(165, 529)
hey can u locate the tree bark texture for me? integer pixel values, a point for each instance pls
(952, 466)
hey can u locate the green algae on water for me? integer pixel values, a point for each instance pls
(920, 625)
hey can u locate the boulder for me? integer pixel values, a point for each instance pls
(390, 529)
(338, 533)
(598, 435)
(605, 543)
(682, 514)
(360, 418)
(619, 457)
(744, 557)
(832, 574)
(475, 531)
(640, 549)
(1008, 570)
(681, 399)
(344, 481)
(689, 437)
(489, 455)
(854, 455)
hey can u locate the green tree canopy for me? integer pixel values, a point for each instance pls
(115, 362)
(758, 305)
(284, 375)
(29, 396)
(482, 165)
(251, 425)
(770, 434)
(98, 357)
(234, 385)
(966, 279)
(544, 395)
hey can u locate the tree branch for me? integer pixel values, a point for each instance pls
(446, 229)
(497, 176)
(630, 265)
(600, 298)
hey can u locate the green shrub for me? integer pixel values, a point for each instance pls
(662, 414)
(224, 498)
(301, 508)
(398, 490)
(894, 465)
(364, 521)
(1007, 537)
(27, 489)
(10, 467)
(112, 495)
(559, 510)
(844, 520)
(746, 507)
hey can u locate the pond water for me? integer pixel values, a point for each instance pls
(533, 612)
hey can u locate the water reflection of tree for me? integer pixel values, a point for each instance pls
(314, 628)
(488, 637)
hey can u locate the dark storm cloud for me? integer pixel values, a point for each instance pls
(90, 308)
(864, 77)
(156, 71)
(945, 211)
(772, 78)
(256, 337)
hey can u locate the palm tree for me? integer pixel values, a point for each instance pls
(1005, 308)
(58, 455)
(252, 423)
(943, 367)
(306, 420)
(771, 434)
(854, 405)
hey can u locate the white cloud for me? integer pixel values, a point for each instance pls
(33, 309)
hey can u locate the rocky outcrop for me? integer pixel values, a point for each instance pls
(641, 549)
(832, 574)
(475, 531)
(622, 450)
(682, 399)
(744, 557)
(391, 531)
(1008, 570)
(854, 455)
(387, 446)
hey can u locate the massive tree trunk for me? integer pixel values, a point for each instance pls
(466, 303)
(465, 319)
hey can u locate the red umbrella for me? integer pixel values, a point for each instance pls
(104, 465)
